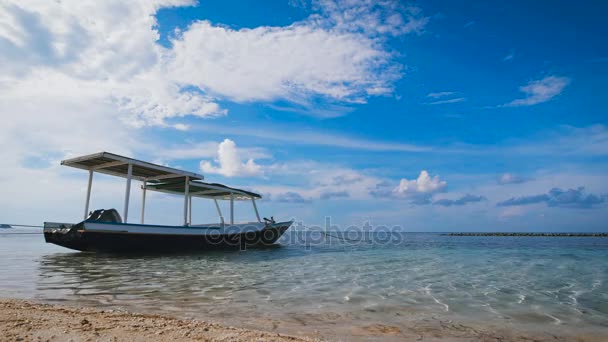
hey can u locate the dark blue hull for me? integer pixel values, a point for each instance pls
(89, 241)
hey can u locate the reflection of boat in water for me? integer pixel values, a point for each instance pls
(105, 230)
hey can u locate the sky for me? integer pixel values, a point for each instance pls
(426, 116)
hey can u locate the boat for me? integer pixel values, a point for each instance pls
(105, 230)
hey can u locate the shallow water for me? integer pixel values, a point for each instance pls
(325, 285)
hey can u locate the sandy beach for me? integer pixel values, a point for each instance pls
(28, 321)
(22, 320)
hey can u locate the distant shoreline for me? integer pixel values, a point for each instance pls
(530, 234)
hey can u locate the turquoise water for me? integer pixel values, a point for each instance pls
(324, 285)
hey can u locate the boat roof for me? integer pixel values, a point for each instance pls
(116, 165)
(202, 189)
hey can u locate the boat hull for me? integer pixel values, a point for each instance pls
(136, 238)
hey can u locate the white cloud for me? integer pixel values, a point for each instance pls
(268, 63)
(337, 53)
(424, 184)
(197, 150)
(303, 4)
(443, 97)
(455, 100)
(230, 162)
(540, 91)
(440, 94)
(419, 191)
(378, 17)
(110, 49)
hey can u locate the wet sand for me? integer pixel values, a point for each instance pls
(29, 321)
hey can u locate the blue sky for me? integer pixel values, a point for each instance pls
(434, 116)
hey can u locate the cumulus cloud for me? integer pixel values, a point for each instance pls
(424, 184)
(230, 163)
(416, 191)
(539, 91)
(269, 63)
(109, 49)
(556, 197)
(466, 199)
(338, 53)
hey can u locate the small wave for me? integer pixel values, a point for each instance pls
(556, 320)
(428, 291)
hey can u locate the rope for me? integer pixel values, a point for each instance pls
(12, 233)
(24, 225)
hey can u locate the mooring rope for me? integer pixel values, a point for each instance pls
(9, 231)
(23, 225)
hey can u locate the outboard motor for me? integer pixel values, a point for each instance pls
(104, 215)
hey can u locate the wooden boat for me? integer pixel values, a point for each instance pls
(106, 231)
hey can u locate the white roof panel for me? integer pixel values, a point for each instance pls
(116, 165)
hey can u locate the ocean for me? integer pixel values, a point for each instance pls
(331, 286)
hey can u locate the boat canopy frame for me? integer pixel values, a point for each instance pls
(159, 178)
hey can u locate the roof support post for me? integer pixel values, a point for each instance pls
(186, 196)
(255, 207)
(128, 191)
(231, 208)
(143, 202)
(219, 211)
(190, 210)
(86, 206)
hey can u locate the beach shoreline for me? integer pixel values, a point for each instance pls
(27, 320)
(24, 320)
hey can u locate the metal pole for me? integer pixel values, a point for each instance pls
(86, 206)
(231, 208)
(190, 210)
(219, 211)
(128, 191)
(255, 207)
(186, 190)
(143, 202)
